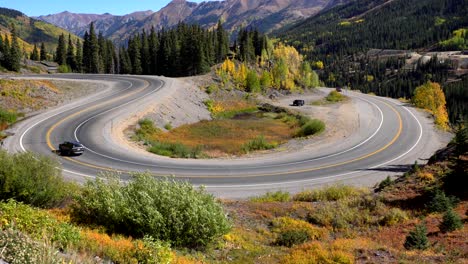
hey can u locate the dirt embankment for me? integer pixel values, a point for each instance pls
(184, 106)
(28, 96)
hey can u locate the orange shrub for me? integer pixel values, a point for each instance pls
(426, 176)
(119, 249)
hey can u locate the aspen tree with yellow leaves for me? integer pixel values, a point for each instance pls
(430, 97)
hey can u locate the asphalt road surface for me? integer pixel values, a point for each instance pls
(391, 137)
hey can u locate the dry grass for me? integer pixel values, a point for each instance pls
(227, 136)
(32, 94)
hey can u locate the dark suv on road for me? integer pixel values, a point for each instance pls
(298, 102)
(71, 148)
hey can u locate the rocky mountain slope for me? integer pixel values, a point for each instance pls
(266, 15)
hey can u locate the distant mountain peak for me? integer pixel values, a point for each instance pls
(266, 15)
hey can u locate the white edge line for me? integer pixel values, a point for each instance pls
(327, 177)
(251, 167)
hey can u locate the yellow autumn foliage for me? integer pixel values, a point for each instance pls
(315, 253)
(291, 57)
(430, 97)
(282, 224)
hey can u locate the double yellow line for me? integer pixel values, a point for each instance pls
(49, 132)
(52, 128)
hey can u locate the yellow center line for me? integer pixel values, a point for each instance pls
(395, 138)
(52, 128)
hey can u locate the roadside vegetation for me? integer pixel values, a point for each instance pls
(420, 217)
(332, 98)
(231, 132)
(44, 219)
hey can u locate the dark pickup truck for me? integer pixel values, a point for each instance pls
(71, 148)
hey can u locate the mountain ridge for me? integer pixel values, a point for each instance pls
(30, 31)
(267, 15)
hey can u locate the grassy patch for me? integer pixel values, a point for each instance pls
(243, 132)
(332, 98)
(258, 143)
(175, 150)
(7, 117)
(278, 196)
(331, 193)
(219, 137)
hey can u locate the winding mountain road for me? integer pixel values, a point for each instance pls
(391, 136)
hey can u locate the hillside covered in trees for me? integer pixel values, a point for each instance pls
(342, 37)
(30, 31)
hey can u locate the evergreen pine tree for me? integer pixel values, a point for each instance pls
(110, 60)
(35, 54)
(450, 222)
(125, 64)
(145, 54)
(153, 50)
(6, 52)
(417, 238)
(61, 51)
(79, 56)
(71, 59)
(43, 55)
(1, 51)
(94, 56)
(222, 43)
(247, 49)
(103, 56)
(86, 59)
(135, 56)
(15, 52)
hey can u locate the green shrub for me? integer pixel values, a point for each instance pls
(385, 183)
(359, 211)
(32, 179)
(312, 127)
(331, 193)
(164, 209)
(37, 224)
(7, 116)
(289, 119)
(168, 126)
(417, 238)
(450, 222)
(258, 143)
(211, 89)
(278, 196)
(252, 82)
(17, 248)
(175, 150)
(64, 69)
(394, 216)
(440, 202)
(146, 129)
(154, 252)
(290, 238)
(334, 97)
